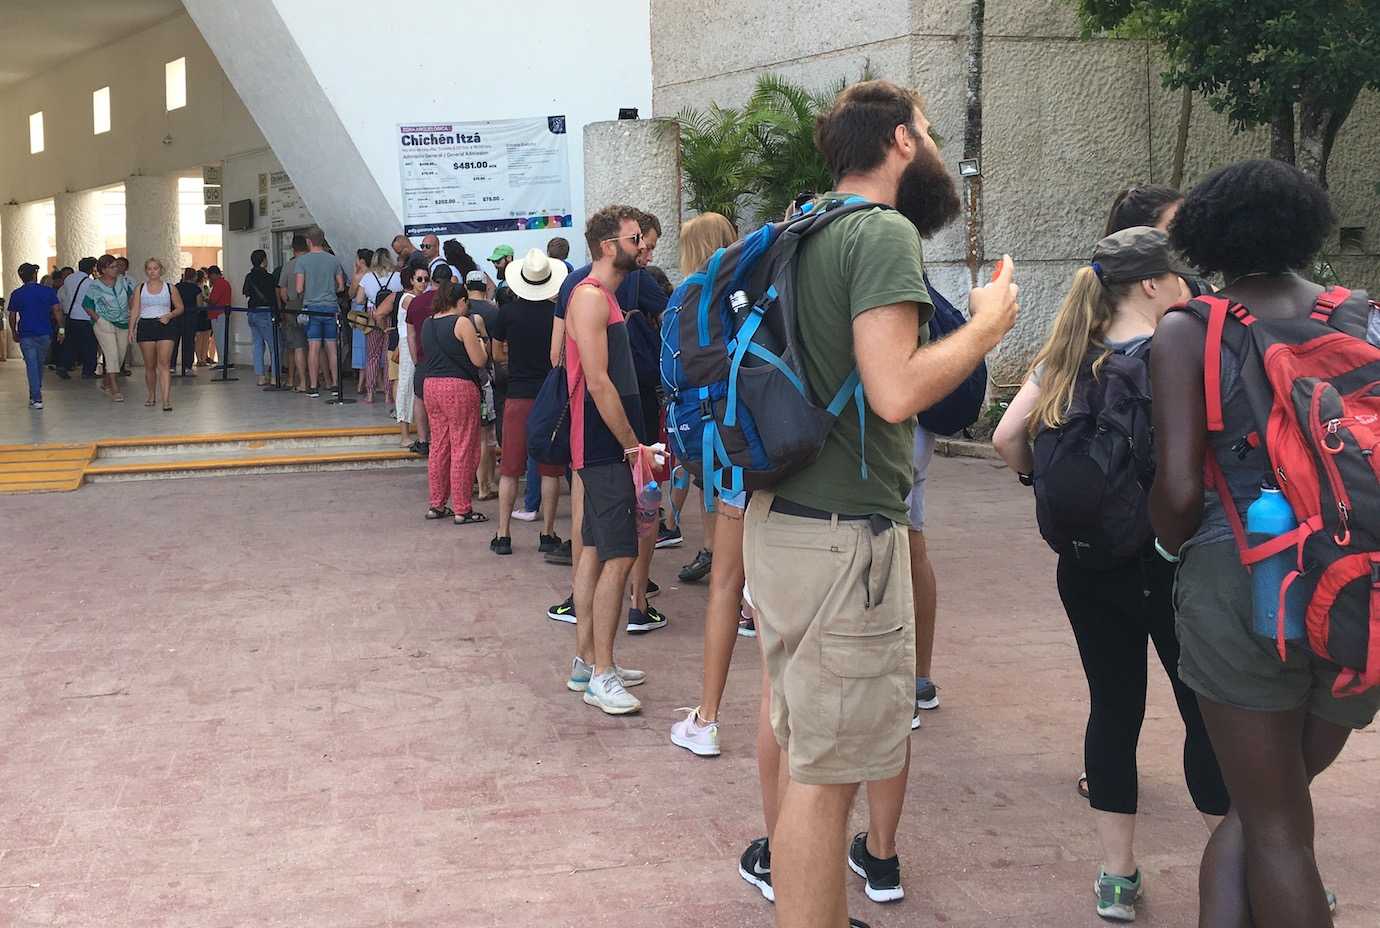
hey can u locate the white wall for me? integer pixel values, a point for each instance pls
(547, 57)
(213, 125)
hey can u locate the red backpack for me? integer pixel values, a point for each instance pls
(1314, 382)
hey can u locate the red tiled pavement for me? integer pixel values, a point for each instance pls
(289, 701)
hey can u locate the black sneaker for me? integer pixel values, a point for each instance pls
(927, 697)
(652, 588)
(669, 537)
(642, 621)
(560, 555)
(424, 448)
(755, 867)
(416, 448)
(883, 876)
(63, 374)
(549, 543)
(563, 612)
(313, 393)
(699, 568)
(502, 544)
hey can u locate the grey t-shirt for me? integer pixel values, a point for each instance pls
(319, 270)
(288, 281)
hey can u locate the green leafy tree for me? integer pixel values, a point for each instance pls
(716, 159)
(782, 130)
(1297, 66)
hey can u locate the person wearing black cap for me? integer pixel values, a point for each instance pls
(1113, 309)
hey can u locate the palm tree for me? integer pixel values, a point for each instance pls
(716, 159)
(781, 124)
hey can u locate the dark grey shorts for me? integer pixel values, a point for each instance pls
(610, 524)
(1222, 659)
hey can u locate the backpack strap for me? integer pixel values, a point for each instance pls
(1328, 301)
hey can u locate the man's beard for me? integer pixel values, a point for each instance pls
(622, 261)
(927, 195)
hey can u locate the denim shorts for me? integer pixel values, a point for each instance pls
(321, 328)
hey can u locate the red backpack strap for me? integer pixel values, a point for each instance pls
(1216, 317)
(1328, 301)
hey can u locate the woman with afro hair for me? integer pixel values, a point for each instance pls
(1275, 725)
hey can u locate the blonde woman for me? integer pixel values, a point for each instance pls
(722, 555)
(156, 305)
(1114, 307)
(373, 285)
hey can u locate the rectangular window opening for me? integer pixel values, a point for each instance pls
(100, 111)
(175, 80)
(35, 133)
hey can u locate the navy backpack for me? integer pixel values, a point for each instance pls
(961, 408)
(740, 414)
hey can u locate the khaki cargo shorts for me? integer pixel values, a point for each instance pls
(836, 616)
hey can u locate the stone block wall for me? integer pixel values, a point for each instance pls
(1068, 121)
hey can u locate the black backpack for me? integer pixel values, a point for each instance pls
(1092, 475)
(961, 408)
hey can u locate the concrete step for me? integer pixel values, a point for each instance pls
(292, 451)
(373, 438)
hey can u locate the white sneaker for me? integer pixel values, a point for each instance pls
(524, 515)
(580, 672)
(698, 737)
(606, 691)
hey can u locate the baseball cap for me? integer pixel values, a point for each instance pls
(476, 277)
(1137, 253)
(501, 252)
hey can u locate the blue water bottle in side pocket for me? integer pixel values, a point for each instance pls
(1267, 518)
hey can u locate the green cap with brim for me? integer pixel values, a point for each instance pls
(501, 252)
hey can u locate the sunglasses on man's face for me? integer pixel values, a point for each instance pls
(636, 238)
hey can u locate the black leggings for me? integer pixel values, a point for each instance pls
(1113, 612)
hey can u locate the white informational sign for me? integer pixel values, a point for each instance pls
(285, 207)
(500, 175)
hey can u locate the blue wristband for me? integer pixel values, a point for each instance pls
(1159, 549)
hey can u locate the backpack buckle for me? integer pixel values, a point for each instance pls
(706, 410)
(1375, 575)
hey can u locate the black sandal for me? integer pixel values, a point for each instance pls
(442, 513)
(471, 518)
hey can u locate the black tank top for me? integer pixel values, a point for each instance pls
(445, 355)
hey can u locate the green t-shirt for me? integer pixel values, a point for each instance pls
(868, 259)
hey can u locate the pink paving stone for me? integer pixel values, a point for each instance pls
(308, 707)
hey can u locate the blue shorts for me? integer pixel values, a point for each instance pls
(319, 327)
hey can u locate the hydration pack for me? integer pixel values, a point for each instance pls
(740, 414)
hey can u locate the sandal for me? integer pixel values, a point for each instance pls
(1083, 786)
(443, 512)
(471, 518)
(148, 402)
(118, 397)
(167, 409)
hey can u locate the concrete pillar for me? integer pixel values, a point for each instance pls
(153, 226)
(23, 237)
(637, 162)
(79, 218)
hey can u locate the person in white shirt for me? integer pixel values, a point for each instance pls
(80, 344)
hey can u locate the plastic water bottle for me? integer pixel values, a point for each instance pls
(1267, 518)
(648, 508)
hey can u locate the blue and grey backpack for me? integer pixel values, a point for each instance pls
(740, 414)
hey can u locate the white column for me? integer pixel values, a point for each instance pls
(636, 162)
(79, 218)
(153, 227)
(23, 237)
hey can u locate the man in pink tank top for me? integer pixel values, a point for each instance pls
(604, 404)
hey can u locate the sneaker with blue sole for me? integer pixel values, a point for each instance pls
(580, 674)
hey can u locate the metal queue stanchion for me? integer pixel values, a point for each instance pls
(341, 329)
(224, 349)
(277, 383)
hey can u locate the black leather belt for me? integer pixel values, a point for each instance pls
(877, 523)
